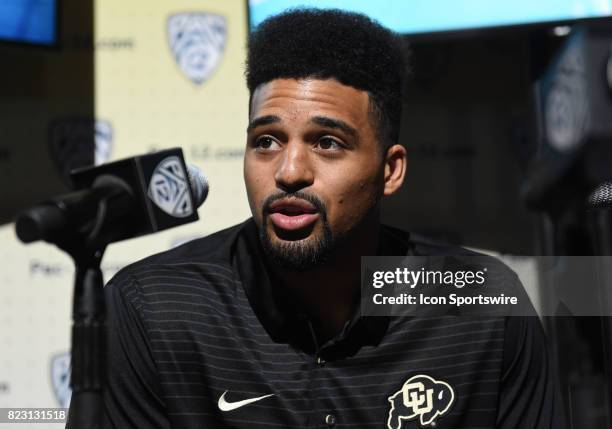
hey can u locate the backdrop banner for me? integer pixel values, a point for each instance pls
(166, 74)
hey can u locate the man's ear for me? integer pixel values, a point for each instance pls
(395, 169)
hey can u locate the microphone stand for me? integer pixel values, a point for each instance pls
(88, 360)
(82, 224)
(109, 205)
(88, 341)
(88, 327)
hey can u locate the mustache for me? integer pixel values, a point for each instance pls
(311, 198)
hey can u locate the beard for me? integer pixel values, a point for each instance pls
(298, 254)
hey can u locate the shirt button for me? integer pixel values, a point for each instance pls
(330, 420)
(320, 361)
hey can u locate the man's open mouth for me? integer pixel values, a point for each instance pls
(292, 214)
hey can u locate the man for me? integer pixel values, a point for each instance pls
(259, 325)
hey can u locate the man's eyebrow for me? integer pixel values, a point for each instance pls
(263, 120)
(334, 123)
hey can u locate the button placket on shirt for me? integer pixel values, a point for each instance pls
(329, 418)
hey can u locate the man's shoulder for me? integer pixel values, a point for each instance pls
(212, 252)
(427, 246)
(417, 244)
(421, 245)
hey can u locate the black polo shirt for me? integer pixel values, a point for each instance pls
(199, 339)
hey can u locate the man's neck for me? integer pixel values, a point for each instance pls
(330, 293)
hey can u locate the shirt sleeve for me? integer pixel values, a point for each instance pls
(529, 396)
(133, 394)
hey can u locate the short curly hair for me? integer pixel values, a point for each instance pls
(330, 43)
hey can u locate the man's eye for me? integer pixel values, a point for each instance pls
(327, 143)
(266, 143)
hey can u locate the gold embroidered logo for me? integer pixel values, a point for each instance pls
(421, 397)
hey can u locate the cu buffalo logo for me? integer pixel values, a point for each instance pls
(168, 188)
(421, 397)
(197, 41)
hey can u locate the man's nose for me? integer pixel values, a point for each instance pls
(294, 170)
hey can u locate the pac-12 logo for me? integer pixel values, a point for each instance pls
(79, 142)
(421, 397)
(168, 188)
(197, 41)
(60, 378)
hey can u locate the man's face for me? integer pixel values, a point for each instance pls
(313, 167)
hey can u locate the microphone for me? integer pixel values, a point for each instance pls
(199, 184)
(601, 196)
(111, 202)
(119, 200)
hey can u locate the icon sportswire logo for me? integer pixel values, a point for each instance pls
(420, 397)
(229, 406)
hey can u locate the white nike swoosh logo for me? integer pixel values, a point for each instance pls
(229, 406)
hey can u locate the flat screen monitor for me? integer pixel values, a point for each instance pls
(427, 16)
(29, 21)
